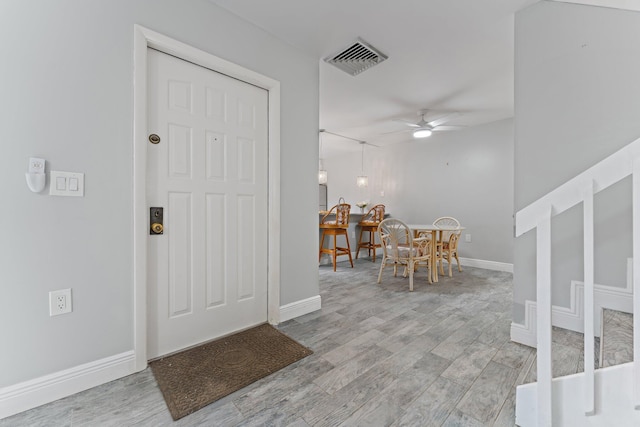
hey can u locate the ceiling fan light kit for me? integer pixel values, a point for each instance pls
(424, 128)
(422, 133)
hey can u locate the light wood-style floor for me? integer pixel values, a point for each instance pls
(438, 356)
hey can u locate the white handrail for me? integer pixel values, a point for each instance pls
(537, 215)
(603, 174)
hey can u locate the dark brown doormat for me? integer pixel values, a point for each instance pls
(194, 378)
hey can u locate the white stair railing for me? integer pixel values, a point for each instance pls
(537, 215)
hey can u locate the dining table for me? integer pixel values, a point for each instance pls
(436, 236)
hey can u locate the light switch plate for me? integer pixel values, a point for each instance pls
(75, 190)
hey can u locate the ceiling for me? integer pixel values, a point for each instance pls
(443, 55)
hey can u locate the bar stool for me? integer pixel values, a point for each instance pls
(369, 224)
(335, 228)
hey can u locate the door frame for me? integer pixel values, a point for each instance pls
(144, 38)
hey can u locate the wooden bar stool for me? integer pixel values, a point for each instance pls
(335, 228)
(369, 224)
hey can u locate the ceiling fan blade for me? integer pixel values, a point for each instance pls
(443, 119)
(396, 131)
(439, 128)
(406, 122)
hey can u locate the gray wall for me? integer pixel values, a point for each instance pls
(577, 101)
(467, 174)
(67, 96)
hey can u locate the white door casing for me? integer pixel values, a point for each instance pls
(207, 271)
(144, 38)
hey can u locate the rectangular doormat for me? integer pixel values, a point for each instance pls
(194, 378)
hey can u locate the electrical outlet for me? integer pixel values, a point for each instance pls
(59, 302)
(467, 238)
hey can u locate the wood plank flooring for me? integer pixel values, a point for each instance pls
(617, 342)
(383, 356)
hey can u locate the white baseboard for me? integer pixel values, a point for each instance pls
(300, 308)
(488, 265)
(39, 391)
(30, 394)
(572, 318)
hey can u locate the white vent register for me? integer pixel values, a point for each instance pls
(358, 57)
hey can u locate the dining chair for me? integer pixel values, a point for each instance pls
(369, 224)
(449, 250)
(447, 246)
(336, 227)
(401, 248)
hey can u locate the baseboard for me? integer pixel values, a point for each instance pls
(30, 394)
(487, 265)
(523, 334)
(300, 308)
(572, 318)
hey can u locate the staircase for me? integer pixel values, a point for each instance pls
(604, 397)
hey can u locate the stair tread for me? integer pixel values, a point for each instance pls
(617, 337)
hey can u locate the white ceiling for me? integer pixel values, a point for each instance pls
(444, 55)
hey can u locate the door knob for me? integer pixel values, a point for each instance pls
(157, 228)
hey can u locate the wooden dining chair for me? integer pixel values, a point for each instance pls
(401, 249)
(449, 250)
(447, 246)
(369, 224)
(336, 227)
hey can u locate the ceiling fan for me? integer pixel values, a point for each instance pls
(424, 128)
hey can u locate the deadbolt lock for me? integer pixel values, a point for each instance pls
(156, 219)
(154, 139)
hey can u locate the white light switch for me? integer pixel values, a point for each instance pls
(73, 184)
(61, 183)
(67, 184)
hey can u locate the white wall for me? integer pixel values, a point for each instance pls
(67, 96)
(577, 101)
(467, 174)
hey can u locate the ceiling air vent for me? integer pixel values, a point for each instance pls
(357, 58)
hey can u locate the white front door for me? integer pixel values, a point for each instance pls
(207, 272)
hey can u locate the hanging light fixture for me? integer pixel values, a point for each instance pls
(322, 173)
(362, 180)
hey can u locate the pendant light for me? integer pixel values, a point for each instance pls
(362, 180)
(322, 173)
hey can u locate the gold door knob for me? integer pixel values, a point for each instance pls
(157, 228)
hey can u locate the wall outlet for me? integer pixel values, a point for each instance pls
(467, 238)
(59, 302)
